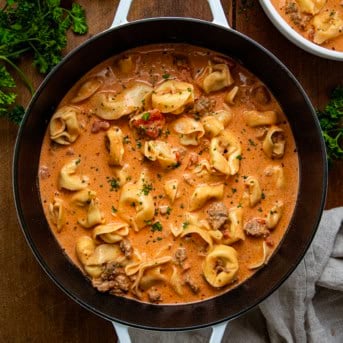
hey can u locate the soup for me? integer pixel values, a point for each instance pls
(168, 174)
(319, 21)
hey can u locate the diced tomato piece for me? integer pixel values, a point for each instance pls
(151, 123)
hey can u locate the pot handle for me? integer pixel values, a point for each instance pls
(216, 7)
(124, 337)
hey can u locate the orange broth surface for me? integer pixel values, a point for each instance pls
(303, 22)
(153, 65)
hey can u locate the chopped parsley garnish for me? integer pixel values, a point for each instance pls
(263, 196)
(114, 183)
(166, 76)
(114, 210)
(77, 161)
(239, 157)
(157, 226)
(146, 116)
(168, 210)
(251, 142)
(147, 187)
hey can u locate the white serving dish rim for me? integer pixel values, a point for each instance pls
(295, 37)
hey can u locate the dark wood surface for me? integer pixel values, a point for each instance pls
(33, 309)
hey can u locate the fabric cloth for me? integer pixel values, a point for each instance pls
(308, 307)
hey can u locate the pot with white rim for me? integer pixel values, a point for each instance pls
(217, 36)
(296, 37)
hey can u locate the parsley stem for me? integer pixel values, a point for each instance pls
(20, 72)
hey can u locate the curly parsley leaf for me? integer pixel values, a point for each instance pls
(331, 122)
(37, 28)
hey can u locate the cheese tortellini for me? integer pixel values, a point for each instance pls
(87, 89)
(225, 153)
(110, 105)
(94, 215)
(57, 213)
(64, 125)
(114, 142)
(189, 130)
(111, 232)
(135, 194)
(274, 215)
(94, 257)
(215, 77)
(234, 229)
(173, 96)
(161, 152)
(256, 118)
(255, 192)
(203, 193)
(171, 188)
(221, 266)
(68, 178)
(327, 25)
(274, 143)
(311, 6)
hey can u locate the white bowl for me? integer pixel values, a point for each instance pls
(295, 37)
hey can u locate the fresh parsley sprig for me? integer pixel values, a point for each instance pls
(37, 28)
(331, 122)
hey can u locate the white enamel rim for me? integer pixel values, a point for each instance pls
(295, 37)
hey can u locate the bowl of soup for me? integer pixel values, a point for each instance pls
(315, 26)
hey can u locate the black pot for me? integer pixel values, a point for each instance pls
(310, 147)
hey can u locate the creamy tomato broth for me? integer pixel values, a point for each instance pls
(169, 174)
(319, 21)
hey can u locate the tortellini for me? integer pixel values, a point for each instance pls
(274, 143)
(93, 258)
(190, 130)
(278, 175)
(87, 89)
(256, 118)
(311, 6)
(114, 142)
(83, 197)
(141, 268)
(68, 180)
(111, 232)
(134, 194)
(171, 188)
(212, 125)
(274, 215)
(203, 193)
(126, 64)
(204, 234)
(224, 116)
(215, 77)
(225, 153)
(64, 125)
(173, 96)
(327, 25)
(110, 105)
(161, 152)
(234, 229)
(255, 192)
(230, 96)
(94, 215)
(57, 213)
(265, 257)
(221, 266)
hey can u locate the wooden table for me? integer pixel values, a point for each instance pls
(33, 309)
